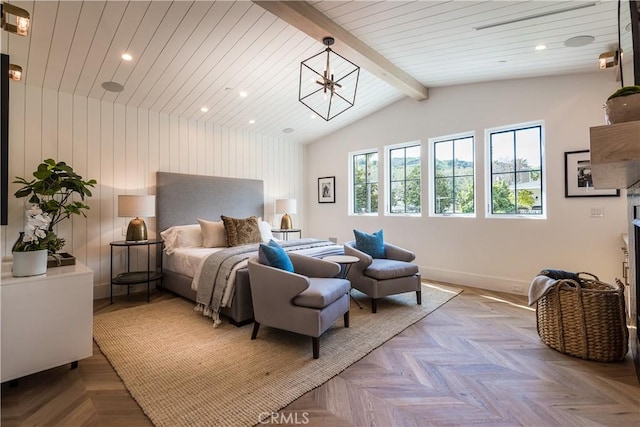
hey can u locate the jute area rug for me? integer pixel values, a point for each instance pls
(184, 372)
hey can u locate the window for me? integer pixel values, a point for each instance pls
(452, 176)
(516, 171)
(403, 163)
(364, 179)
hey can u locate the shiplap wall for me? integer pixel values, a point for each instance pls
(122, 147)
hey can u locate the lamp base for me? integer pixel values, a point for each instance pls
(137, 230)
(286, 223)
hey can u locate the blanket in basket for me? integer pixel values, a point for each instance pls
(547, 280)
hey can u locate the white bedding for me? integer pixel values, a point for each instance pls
(186, 261)
(189, 261)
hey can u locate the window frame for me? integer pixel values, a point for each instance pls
(489, 171)
(432, 175)
(350, 207)
(387, 178)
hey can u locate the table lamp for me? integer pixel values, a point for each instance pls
(136, 206)
(286, 206)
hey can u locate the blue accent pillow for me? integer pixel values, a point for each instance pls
(370, 244)
(275, 256)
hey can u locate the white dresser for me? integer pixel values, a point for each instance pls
(45, 321)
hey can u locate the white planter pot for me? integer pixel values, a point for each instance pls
(31, 263)
(622, 109)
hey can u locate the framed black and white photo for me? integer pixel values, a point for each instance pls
(327, 189)
(578, 181)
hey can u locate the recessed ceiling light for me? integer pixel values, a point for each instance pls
(204, 109)
(578, 41)
(541, 47)
(287, 130)
(313, 116)
(251, 122)
(243, 94)
(112, 86)
(127, 57)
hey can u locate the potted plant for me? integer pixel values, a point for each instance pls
(623, 105)
(52, 191)
(32, 247)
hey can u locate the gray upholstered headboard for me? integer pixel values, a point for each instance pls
(182, 198)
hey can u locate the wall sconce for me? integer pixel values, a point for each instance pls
(328, 83)
(22, 21)
(15, 72)
(136, 206)
(608, 59)
(286, 206)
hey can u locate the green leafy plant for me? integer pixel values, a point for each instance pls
(625, 91)
(52, 191)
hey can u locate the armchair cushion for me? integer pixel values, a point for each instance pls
(370, 244)
(275, 256)
(383, 269)
(322, 292)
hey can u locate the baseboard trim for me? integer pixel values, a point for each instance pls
(492, 283)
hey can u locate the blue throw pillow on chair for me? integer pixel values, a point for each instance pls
(274, 256)
(370, 244)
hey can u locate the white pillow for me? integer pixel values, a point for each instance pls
(265, 231)
(213, 234)
(182, 236)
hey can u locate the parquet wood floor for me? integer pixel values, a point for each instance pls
(475, 361)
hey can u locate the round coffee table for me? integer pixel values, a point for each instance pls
(345, 262)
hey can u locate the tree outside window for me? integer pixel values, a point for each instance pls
(404, 179)
(516, 171)
(365, 183)
(453, 176)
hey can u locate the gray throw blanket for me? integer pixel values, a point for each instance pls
(216, 271)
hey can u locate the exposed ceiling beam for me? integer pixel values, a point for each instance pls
(311, 21)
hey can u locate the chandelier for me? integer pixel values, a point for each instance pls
(328, 83)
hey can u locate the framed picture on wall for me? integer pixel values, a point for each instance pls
(327, 189)
(578, 181)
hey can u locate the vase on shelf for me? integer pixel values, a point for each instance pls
(29, 263)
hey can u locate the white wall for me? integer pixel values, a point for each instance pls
(488, 253)
(122, 148)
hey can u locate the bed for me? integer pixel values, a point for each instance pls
(181, 200)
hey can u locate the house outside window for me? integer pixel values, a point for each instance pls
(452, 177)
(403, 177)
(516, 171)
(364, 182)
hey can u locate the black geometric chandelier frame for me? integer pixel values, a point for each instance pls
(328, 82)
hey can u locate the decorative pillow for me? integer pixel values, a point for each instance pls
(265, 231)
(213, 234)
(371, 244)
(181, 236)
(275, 256)
(262, 258)
(241, 231)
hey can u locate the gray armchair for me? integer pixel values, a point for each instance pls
(306, 302)
(379, 277)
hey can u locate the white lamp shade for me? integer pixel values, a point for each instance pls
(286, 206)
(137, 206)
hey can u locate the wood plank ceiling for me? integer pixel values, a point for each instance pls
(190, 54)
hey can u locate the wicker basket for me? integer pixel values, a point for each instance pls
(584, 319)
